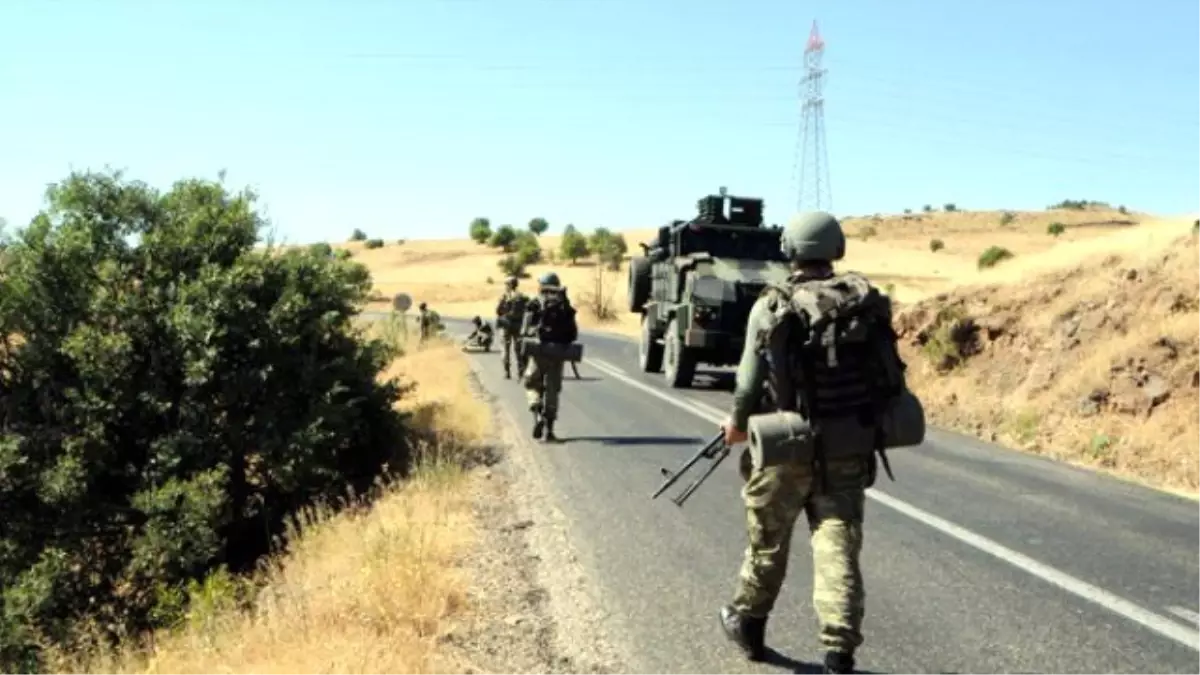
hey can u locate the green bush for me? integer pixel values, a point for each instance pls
(358, 235)
(928, 208)
(1055, 229)
(480, 230)
(373, 243)
(504, 238)
(512, 266)
(1007, 218)
(936, 245)
(950, 207)
(993, 256)
(175, 396)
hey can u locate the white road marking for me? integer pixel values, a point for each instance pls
(1185, 614)
(1185, 635)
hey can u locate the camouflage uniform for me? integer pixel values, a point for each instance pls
(481, 336)
(509, 315)
(543, 372)
(774, 497)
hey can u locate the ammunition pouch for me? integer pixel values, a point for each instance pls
(572, 352)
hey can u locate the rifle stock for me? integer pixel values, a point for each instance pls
(714, 450)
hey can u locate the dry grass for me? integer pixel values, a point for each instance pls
(363, 591)
(1071, 363)
(460, 278)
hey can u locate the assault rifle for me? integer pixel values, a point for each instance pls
(714, 450)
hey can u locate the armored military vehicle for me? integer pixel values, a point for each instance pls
(695, 284)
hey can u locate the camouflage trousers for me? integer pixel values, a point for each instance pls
(774, 498)
(543, 382)
(512, 349)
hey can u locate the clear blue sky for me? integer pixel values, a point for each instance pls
(409, 117)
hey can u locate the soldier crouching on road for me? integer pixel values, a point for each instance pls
(828, 483)
(550, 320)
(510, 312)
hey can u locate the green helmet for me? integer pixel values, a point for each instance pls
(548, 280)
(511, 282)
(814, 235)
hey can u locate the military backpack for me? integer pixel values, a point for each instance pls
(836, 379)
(557, 321)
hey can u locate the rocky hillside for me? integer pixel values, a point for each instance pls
(1096, 364)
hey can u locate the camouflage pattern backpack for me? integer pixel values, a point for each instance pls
(511, 310)
(832, 357)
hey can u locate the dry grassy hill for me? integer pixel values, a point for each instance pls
(1092, 358)
(460, 278)
(1082, 345)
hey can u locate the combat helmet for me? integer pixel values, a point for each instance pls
(476, 320)
(421, 307)
(511, 282)
(549, 280)
(813, 236)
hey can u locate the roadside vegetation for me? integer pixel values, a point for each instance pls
(198, 442)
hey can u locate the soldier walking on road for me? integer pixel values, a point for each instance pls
(550, 319)
(827, 486)
(510, 312)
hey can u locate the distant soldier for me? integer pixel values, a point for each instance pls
(510, 312)
(424, 321)
(481, 336)
(550, 319)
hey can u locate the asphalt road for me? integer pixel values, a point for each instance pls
(977, 559)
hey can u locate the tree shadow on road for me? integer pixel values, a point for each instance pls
(634, 440)
(792, 665)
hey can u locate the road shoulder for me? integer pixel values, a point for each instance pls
(532, 606)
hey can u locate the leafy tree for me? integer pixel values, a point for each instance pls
(527, 248)
(610, 248)
(358, 235)
(481, 230)
(171, 395)
(504, 238)
(573, 245)
(538, 226)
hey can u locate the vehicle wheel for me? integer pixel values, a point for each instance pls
(680, 363)
(650, 350)
(639, 283)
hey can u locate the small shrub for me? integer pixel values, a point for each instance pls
(1055, 229)
(907, 211)
(511, 266)
(490, 280)
(928, 208)
(373, 243)
(936, 245)
(1122, 210)
(947, 344)
(867, 231)
(401, 242)
(358, 235)
(950, 207)
(993, 256)
(1007, 217)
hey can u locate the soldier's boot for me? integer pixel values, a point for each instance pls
(507, 371)
(550, 430)
(747, 632)
(839, 662)
(539, 422)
